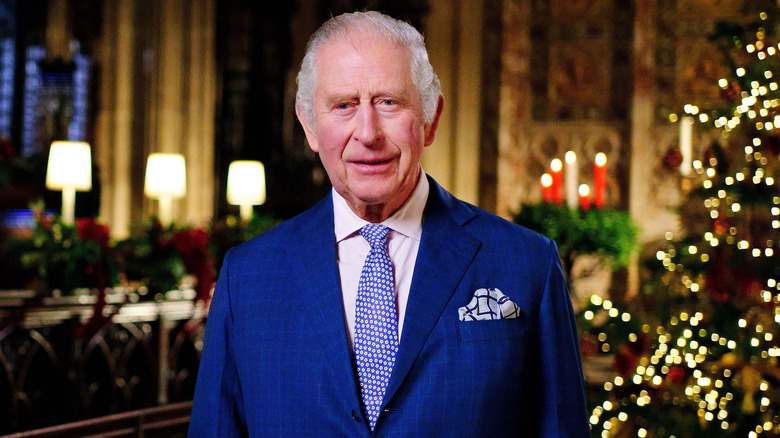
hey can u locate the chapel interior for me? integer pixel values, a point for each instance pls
(524, 82)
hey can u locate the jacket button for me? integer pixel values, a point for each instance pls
(356, 416)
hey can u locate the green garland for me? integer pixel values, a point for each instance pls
(607, 233)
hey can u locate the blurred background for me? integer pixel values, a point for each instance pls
(103, 295)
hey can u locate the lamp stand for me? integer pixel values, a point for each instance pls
(165, 213)
(68, 205)
(245, 211)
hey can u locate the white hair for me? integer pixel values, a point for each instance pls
(380, 26)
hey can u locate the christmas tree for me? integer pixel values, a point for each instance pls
(696, 354)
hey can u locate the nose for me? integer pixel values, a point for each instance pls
(368, 130)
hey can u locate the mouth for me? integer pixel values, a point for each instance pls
(372, 165)
(372, 162)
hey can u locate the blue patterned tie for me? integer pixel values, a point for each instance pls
(376, 323)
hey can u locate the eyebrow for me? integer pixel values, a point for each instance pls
(337, 97)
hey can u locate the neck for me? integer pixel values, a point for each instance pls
(376, 213)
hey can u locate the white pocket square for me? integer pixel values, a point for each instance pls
(488, 303)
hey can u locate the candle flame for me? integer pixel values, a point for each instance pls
(584, 190)
(556, 165)
(601, 159)
(570, 157)
(546, 180)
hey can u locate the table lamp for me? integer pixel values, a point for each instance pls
(69, 169)
(165, 180)
(246, 186)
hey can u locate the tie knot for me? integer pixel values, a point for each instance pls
(375, 234)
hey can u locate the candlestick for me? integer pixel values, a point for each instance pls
(599, 179)
(546, 182)
(556, 172)
(584, 192)
(686, 145)
(570, 179)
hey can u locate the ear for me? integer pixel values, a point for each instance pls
(308, 129)
(430, 128)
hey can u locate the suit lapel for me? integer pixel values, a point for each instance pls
(315, 255)
(446, 251)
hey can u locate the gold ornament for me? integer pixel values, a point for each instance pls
(729, 360)
(749, 379)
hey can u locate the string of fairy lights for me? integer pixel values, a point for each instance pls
(690, 364)
(687, 345)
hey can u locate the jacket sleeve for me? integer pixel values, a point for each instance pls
(217, 409)
(555, 403)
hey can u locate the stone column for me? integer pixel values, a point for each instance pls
(166, 106)
(200, 104)
(515, 99)
(454, 39)
(441, 40)
(58, 31)
(181, 102)
(642, 110)
(113, 145)
(468, 120)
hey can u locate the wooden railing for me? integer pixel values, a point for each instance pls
(164, 421)
(60, 365)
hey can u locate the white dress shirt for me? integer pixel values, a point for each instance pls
(403, 244)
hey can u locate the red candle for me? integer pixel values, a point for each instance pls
(546, 183)
(599, 179)
(584, 196)
(556, 172)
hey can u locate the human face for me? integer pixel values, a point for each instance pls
(369, 129)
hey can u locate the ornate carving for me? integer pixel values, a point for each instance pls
(710, 8)
(43, 362)
(580, 9)
(699, 66)
(521, 165)
(579, 78)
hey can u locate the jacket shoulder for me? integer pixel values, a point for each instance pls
(273, 242)
(491, 228)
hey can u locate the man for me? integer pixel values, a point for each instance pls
(390, 308)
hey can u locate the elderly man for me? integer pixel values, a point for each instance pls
(390, 308)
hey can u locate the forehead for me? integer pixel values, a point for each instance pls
(355, 60)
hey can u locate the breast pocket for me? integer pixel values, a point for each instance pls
(490, 330)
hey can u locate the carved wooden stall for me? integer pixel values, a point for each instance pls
(58, 366)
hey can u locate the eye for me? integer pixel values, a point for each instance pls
(342, 106)
(388, 102)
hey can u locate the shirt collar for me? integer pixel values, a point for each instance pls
(407, 220)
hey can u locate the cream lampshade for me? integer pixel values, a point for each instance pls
(246, 186)
(165, 180)
(69, 169)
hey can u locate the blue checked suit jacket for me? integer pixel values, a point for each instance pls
(277, 361)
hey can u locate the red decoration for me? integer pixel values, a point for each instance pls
(720, 226)
(589, 345)
(676, 375)
(193, 246)
(731, 92)
(673, 158)
(88, 229)
(628, 357)
(625, 361)
(728, 279)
